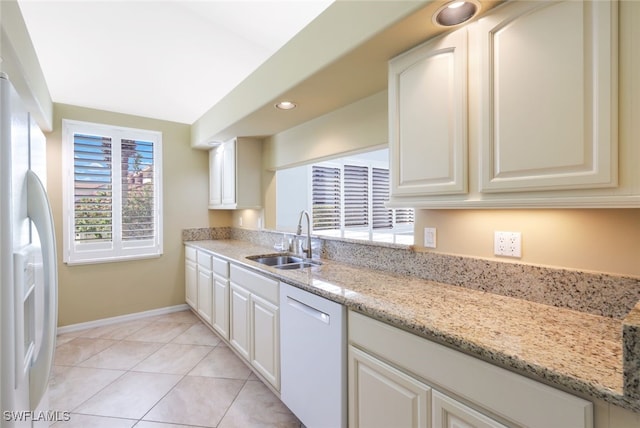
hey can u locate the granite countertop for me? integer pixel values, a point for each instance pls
(574, 351)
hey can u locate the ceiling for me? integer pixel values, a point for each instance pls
(220, 65)
(354, 39)
(169, 60)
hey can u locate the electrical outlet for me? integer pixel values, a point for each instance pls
(430, 237)
(508, 244)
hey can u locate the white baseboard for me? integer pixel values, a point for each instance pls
(121, 318)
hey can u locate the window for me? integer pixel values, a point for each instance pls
(112, 193)
(327, 197)
(348, 200)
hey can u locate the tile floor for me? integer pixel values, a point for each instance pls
(167, 371)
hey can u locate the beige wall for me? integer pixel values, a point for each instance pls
(90, 292)
(348, 129)
(601, 240)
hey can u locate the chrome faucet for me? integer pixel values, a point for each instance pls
(308, 253)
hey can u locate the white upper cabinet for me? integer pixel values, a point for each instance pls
(548, 96)
(428, 118)
(235, 171)
(533, 105)
(215, 176)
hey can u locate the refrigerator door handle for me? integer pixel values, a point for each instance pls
(39, 211)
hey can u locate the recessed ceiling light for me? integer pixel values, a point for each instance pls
(456, 12)
(286, 105)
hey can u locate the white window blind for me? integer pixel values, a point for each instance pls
(404, 216)
(93, 188)
(356, 196)
(326, 195)
(112, 193)
(382, 216)
(138, 221)
(363, 190)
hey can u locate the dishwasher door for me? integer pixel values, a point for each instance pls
(313, 358)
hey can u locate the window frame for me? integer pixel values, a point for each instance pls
(118, 248)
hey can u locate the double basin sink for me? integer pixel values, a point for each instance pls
(284, 261)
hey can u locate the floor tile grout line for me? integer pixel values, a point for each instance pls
(159, 400)
(172, 388)
(234, 400)
(182, 377)
(98, 391)
(195, 321)
(92, 355)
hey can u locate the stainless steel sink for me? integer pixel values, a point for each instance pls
(284, 261)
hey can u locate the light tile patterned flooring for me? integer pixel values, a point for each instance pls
(167, 371)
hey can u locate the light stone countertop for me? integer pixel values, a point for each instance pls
(571, 350)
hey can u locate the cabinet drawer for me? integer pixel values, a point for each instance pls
(204, 260)
(221, 267)
(190, 253)
(260, 285)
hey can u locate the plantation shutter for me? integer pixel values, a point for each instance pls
(382, 216)
(112, 193)
(404, 215)
(137, 190)
(356, 196)
(325, 198)
(93, 188)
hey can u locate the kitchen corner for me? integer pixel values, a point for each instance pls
(561, 327)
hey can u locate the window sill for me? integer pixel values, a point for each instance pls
(127, 258)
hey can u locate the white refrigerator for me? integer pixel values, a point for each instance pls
(28, 270)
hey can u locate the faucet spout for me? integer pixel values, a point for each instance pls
(308, 253)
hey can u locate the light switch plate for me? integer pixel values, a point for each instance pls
(430, 237)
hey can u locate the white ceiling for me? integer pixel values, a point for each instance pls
(170, 60)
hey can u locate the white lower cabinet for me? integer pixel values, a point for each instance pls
(191, 278)
(241, 305)
(240, 320)
(449, 413)
(383, 396)
(255, 318)
(220, 320)
(265, 344)
(205, 286)
(399, 379)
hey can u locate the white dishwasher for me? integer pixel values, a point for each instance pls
(313, 358)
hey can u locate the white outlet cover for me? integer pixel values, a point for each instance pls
(507, 244)
(430, 237)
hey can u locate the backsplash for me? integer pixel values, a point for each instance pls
(595, 293)
(206, 234)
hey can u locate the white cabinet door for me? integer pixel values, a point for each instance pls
(239, 332)
(235, 174)
(215, 177)
(450, 413)
(548, 96)
(191, 283)
(265, 334)
(220, 319)
(229, 173)
(382, 396)
(428, 118)
(205, 294)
